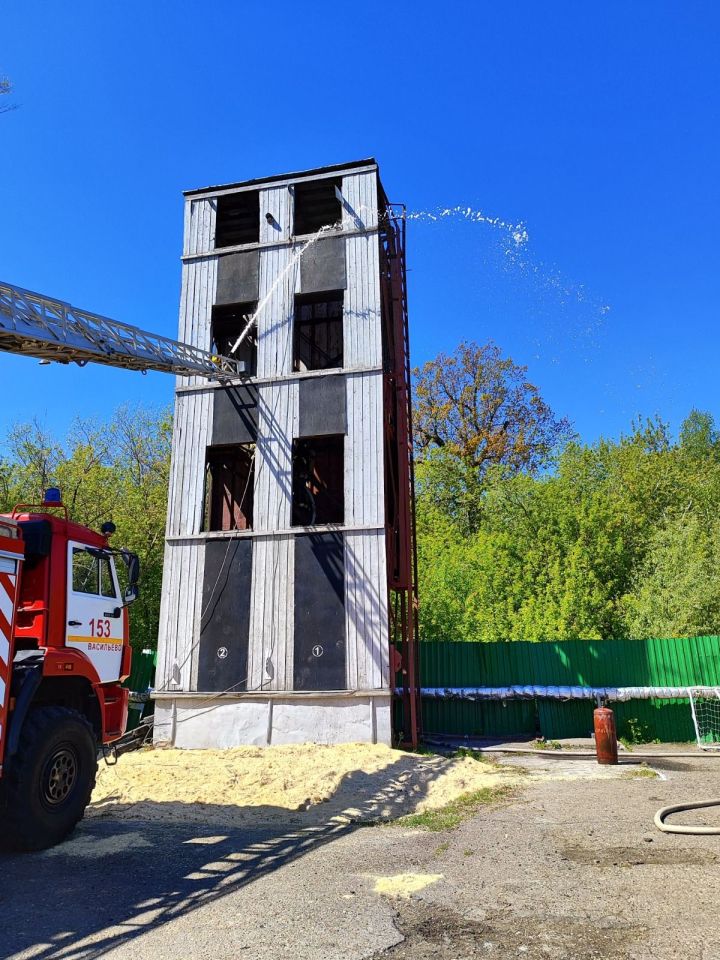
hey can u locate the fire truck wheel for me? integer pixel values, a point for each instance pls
(50, 779)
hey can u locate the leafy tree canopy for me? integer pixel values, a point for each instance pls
(619, 538)
(480, 407)
(106, 471)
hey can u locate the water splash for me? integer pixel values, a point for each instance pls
(517, 232)
(551, 295)
(568, 314)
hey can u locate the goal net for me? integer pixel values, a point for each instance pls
(705, 706)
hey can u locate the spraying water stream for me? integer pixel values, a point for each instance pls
(517, 232)
(563, 316)
(280, 278)
(572, 315)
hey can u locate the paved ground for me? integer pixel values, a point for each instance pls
(565, 869)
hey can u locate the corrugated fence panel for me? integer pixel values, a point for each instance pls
(693, 661)
(474, 664)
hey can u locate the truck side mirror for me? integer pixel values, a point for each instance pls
(131, 594)
(132, 563)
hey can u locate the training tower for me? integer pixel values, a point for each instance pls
(289, 577)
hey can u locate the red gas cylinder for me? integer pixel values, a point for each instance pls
(605, 735)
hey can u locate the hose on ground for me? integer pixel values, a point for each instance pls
(689, 828)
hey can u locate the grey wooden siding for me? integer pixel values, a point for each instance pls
(270, 660)
(277, 425)
(364, 482)
(199, 226)
(180, 613)
(183, 571)
(270, 665)
(270, 654)
(192, 431)
(199, 280)
(275, 311)
(365, 565)
(359, 192)
(363, 340)
(366, 611)
(277, 202)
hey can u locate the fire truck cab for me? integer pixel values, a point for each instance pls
(64, 652)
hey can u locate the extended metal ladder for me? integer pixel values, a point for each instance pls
(49, 329)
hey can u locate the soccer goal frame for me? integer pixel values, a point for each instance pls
(705, 708)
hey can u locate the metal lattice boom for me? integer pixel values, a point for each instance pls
(49, 329)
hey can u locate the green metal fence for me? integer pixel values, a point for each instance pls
(142, 677)
(693, 661)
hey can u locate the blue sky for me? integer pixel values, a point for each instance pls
(595, 124)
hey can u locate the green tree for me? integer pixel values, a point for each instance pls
(480, 407)
(106, 471)
(699, 435)
(676, 591)
(593, 548)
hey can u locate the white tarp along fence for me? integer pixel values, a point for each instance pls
(616, 694)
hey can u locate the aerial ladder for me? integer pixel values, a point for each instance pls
(64, 630)
(52, 330)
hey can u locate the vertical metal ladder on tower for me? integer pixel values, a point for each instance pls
(39, 326)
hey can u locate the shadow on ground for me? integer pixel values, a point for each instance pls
(120, 876)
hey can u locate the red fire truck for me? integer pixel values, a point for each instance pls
(64, 641)
(64, 652)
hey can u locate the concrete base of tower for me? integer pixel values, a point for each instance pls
(219, 721)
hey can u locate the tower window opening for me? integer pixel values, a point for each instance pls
(238, 219)
(318, 331)
(229, 480)
(317, 205)
(227, 324)
(318, 492)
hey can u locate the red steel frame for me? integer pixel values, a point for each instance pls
(399, 472)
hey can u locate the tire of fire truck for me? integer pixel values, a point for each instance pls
(47, 787)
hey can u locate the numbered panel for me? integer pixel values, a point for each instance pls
(319, 612)
(225, 624)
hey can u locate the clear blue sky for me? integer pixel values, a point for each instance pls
(596, 124)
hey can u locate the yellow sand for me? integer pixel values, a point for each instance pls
(350, 781)
(405, 884)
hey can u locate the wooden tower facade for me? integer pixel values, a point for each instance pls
(289, 535)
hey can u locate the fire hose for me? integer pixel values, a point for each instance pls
(689, 828)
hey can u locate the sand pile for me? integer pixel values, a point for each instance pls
(303, 782)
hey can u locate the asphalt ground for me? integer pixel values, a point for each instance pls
(566, 868)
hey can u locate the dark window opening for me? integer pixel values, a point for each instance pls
(228, 323)
(237, 219)
(229, 482)
(317, 205)
(318, 480)
(318, 331)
